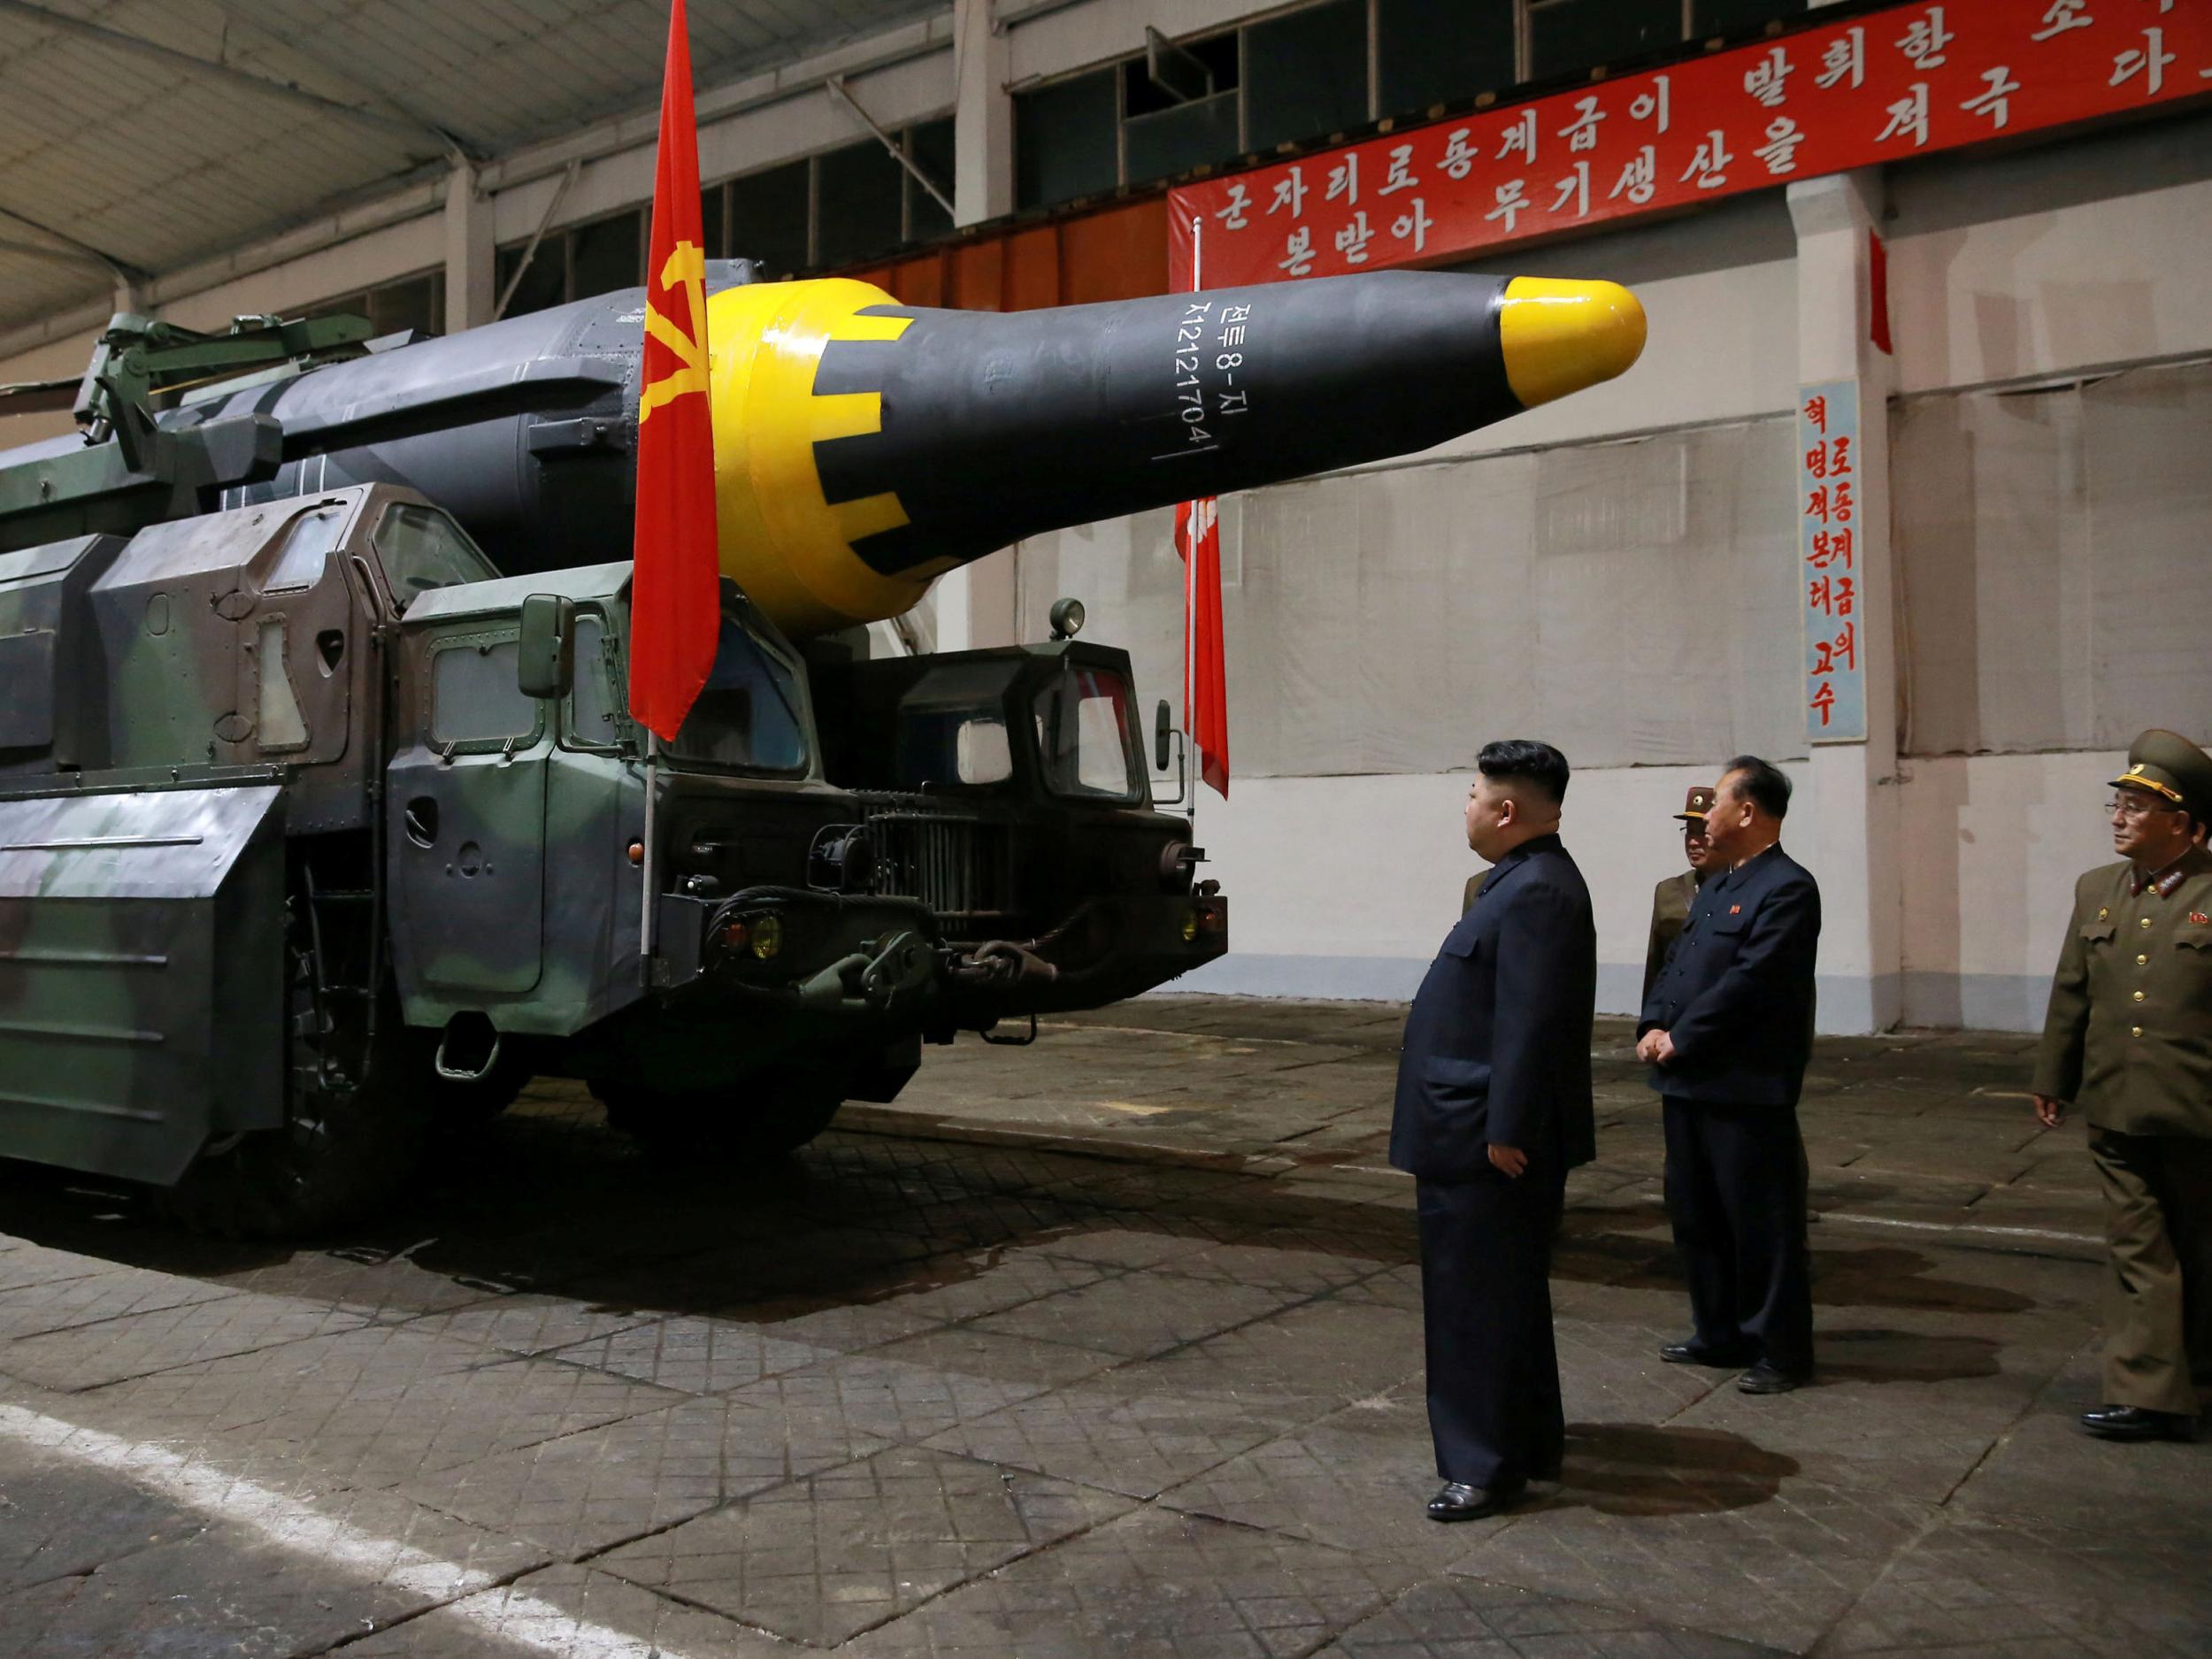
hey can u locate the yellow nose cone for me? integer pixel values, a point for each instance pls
(1561, 337)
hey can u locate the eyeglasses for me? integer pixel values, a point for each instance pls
(2136, 806)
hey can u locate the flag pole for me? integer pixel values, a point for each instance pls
(649, 868)
(1190, 589)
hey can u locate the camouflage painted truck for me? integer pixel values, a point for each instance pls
(321, 818)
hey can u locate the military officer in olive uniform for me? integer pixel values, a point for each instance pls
(2129, 1039)
(1670, 898)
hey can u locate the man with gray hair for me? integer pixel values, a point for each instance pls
(1727, 1029)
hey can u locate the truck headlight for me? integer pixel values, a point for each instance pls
(767, 940)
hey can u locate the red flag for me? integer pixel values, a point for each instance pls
(1205, 676)
(675, 602)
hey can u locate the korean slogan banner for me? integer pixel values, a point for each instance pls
(1827, 542)
(1883, 87)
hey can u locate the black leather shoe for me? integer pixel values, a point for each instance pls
(1455, 1501)
(1764, 1378)
(2138, 1423)
(1691, 1353)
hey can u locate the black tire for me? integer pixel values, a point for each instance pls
(354, 1116)
(747, 1125)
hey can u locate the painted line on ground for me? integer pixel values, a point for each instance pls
(301, 1528)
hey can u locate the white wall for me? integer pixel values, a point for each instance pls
(1992, 844)
(2065, 257)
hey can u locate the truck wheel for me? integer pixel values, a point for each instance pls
(718, 1125)
(353, 1130)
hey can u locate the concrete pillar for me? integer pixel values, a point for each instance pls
(982, 117)
(1845, 825)
(470, 256)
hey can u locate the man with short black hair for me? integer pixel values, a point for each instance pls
(1494, 1107)
(1727, 1029)
(2129, 1039)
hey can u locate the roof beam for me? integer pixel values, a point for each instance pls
(457, 148)
(413, 131)
(68, 247)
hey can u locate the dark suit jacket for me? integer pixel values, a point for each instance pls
(1497, 1045)
(1735, 994)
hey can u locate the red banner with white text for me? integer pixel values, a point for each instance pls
(1884, 86)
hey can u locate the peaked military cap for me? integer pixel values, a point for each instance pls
(1699, 802)
(2172, 768)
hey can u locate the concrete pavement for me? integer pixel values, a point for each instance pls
(1109, 1345)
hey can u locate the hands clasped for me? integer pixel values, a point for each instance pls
(1654, 1047)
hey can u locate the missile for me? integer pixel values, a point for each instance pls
(863, 448)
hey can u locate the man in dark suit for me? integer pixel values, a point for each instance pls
(1728, 1029)
(1492, 1109)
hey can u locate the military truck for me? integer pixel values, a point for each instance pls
(317, 830)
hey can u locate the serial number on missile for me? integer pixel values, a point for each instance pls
(1192, 369)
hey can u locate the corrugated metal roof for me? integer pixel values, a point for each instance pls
(156, 133)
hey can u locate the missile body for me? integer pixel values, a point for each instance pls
(863, 447)
(928, 438)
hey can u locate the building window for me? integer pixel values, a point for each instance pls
(1565, 37)
(1305, 74)
(576, 263)
(1435, 52)
(842, 206)
(1324, 67)
(416, 303)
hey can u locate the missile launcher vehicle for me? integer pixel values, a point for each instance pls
(322, 820)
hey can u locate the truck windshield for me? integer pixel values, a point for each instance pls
(1084, 732)
(749, 715)
(952, 727)
(422, 548)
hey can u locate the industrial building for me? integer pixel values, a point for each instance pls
(1617, 575)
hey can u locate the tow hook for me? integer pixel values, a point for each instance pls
(902, 964)
(1003, 961)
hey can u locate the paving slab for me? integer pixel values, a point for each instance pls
(60, 1303)
(1154, 1584)
(824, 1558)
(1455, 1617)
(137, 1344)
(1130, 1430)
(573, 1612)
(693, 1356)
(377, 1405)
(1683, 1540)
(919, 1387)
(196, 1584)
(581, 1492)
(2027, 1586)
(1138, 1314)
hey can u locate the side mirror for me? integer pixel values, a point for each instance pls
(1163, 723)
(546, 665)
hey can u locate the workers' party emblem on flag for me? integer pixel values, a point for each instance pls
(684, 271)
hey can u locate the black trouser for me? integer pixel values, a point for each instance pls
(1736, 1194)
(1486, 1304)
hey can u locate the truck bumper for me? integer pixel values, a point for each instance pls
(1109, 948)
